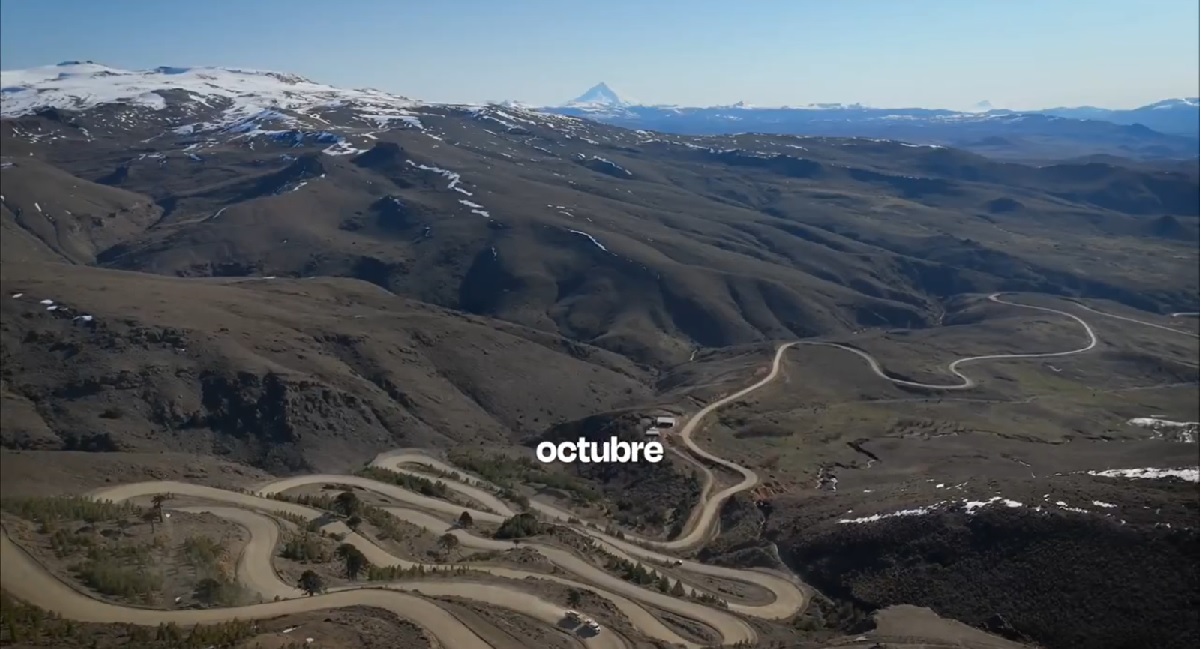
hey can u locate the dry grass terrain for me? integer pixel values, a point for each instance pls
(220, 307)
(347, 627)
(286, 374)
(127, 560)
(1026, 417)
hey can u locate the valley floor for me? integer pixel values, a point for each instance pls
(466, 585)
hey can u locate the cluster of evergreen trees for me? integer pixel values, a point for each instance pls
(637, 573)
(68, 508)
(394, 573)
(520, 526)
(508, 472)
(26, 625)
(423, 486)
(305, 547)
(349, 506)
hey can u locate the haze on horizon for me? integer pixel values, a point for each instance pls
(1020, 54)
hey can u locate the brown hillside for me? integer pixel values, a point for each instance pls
(283, 374)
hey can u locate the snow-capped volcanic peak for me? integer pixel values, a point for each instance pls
(599, 95)
(76, 85)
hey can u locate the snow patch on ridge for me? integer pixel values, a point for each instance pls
(1176, 431)
(244, 93)
(879, 517)
(455, 178)
(590, 238)
(342, 147)
(1187, 474)
(476, 208)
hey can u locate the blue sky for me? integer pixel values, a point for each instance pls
(938, 53)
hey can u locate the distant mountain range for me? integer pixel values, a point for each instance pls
(1179, 116)
(1163, 130)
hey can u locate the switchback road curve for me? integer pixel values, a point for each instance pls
(966, 382)
(706, 511)
(25, 579)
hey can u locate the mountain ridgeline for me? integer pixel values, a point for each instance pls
(640, 243)
(529, 234)
(1165, 130)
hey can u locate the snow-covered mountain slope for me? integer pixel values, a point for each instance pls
(226, 96)
(192, 112)
(1186, 102)
(207, 101)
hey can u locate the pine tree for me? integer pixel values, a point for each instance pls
(448, 542)
(353, 560)
(311, 583)
(347, 503)
(663, 584)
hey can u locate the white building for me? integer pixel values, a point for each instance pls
(665, 422)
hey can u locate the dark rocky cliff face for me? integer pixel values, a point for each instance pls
(283, 379)
(272, 419)
(649, 498)
(1062, 581)
(269, 420)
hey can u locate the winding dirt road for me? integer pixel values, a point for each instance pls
(1143, 322)
(966, 382)
(24, 578)
(705, 514)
